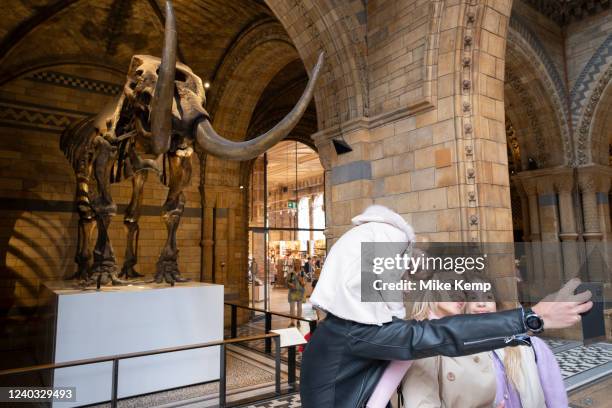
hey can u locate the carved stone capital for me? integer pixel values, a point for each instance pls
(545, 185)
(588, 182)
(530, 186)
(564, 183)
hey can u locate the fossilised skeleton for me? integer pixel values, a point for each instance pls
(159, 114)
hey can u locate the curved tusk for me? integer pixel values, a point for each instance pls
(217, 145)
(161, 106)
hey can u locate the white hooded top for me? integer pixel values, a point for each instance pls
(338, 290)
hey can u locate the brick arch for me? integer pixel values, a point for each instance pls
(256, 56)
(338, 28)
(530, 77)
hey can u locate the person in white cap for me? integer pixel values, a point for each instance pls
(352, 346)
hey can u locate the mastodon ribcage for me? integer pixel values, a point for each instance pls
(78, 143)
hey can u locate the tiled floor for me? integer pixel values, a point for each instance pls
(288, 401)
(241, 375)
(597, 395)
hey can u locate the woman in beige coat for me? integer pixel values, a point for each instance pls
(448, 382)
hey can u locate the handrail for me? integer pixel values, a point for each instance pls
(125, 356)
(116, 358)
(260, 310)
(291, 350)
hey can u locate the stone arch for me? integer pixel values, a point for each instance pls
(338, 28)
(598, 118)
(519, 29)
(588, 105)
(533, 82)
(257, 55)
(528, 139)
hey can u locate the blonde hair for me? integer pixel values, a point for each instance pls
(428, 304)
(512, 355)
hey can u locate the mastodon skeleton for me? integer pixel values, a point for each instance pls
(151, 126)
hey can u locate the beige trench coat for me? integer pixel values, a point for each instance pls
(450, 382)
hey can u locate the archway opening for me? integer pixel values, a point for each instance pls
(286, 223)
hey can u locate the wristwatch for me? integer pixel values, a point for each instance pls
(533, 322)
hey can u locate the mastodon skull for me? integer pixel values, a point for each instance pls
(187, 102)
(168, 98)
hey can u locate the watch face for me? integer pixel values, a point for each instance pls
(533, 322)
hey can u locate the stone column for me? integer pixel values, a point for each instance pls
(604, 221)
(526, 264)
(604, 206)
(257, 209)
(564, 184)
(534, 264)
(588, 181)
(524, 212)
(552, 263)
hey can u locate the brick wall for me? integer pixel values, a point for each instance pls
(397, 44)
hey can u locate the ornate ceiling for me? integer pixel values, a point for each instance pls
(109, 32)
(565, 11)
(106, 33)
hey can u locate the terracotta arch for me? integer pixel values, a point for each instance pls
(541, 101)
(338, 28)
(588, 105)
(600, 129)
(251, 63)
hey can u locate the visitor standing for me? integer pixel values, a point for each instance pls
(295, 296)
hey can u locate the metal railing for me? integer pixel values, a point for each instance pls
(116, 358)
(291, 350)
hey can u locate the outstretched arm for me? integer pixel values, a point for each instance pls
(465, 334)
(450, 336)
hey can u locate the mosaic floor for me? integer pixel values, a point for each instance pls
(288, 401)
(240, 375)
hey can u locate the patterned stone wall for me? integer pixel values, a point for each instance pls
(440, 163)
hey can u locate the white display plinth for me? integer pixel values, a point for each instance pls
(126, 319)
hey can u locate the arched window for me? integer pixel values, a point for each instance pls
(318, 217)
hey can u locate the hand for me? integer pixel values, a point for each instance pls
(501, 404)
(562, 309)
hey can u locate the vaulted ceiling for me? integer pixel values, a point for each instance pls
(109, 32)
(36, 34)
(564, 12)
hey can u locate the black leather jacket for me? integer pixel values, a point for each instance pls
(344, 360)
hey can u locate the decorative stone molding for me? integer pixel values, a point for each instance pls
(584, 132)
(545, 185)
(519, 30)
(564, 183)
(535, 131)
(522, 44)
(472, 21)
(259, 33)
(588, 182)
